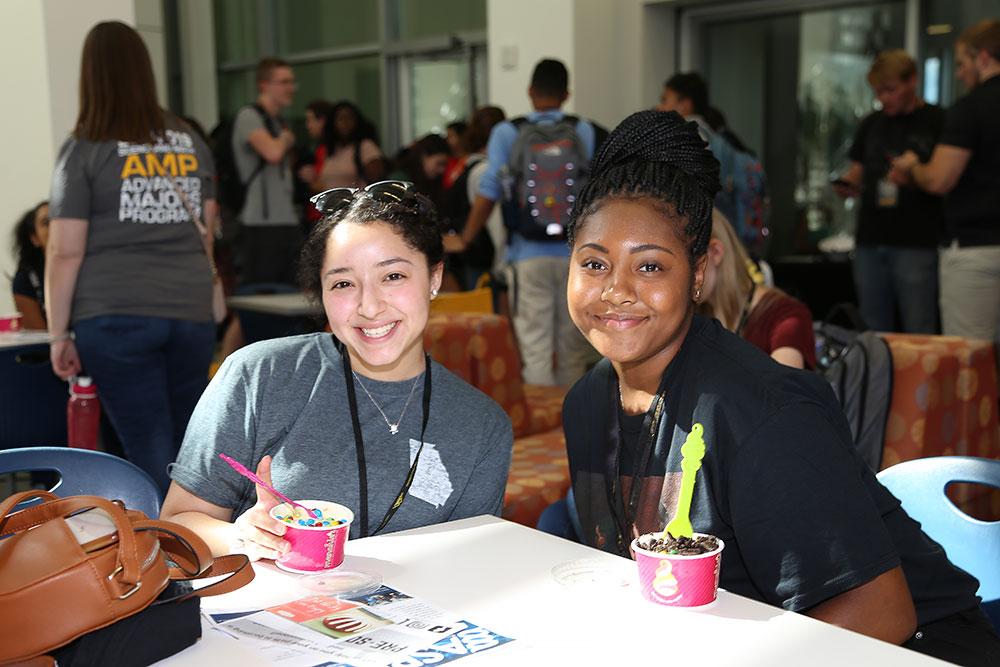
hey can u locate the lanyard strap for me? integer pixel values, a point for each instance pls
(359, 444)
(622, 512)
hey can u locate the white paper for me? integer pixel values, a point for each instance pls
(386, 628)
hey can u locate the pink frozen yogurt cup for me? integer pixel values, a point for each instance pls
(314, 548)
(10, 322)
(679, 581)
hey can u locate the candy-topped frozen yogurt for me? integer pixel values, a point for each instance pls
(317, 520)
(315, 543)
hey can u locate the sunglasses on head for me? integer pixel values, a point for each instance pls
(403, 193)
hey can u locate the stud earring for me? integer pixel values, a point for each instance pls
(697, 294)
(434, 293)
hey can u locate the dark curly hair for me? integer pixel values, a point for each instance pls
(27, 254)
(414, 218)
(656, 155)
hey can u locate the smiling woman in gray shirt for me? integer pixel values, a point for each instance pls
(359, 417)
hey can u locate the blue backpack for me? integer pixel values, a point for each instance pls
(743, 198)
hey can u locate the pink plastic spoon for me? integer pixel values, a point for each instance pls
(252, 476)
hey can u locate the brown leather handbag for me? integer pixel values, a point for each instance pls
(54, 589)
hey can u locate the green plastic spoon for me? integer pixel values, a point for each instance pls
(692, 452)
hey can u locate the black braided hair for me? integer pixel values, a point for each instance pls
(654, 154)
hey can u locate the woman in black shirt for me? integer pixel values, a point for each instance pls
(807, 526)
(28, 286)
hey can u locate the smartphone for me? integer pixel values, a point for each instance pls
(90, 525)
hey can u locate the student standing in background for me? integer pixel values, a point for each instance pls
(128, 286)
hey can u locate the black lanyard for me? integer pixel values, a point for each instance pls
(622, 512)
(359, 444)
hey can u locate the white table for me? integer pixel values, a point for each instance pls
(498, 574)
(23, 338)
(293, 304)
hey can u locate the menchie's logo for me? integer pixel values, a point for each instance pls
(331, 537)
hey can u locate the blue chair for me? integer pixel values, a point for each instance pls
(561, 519)
(971, 544)
(86, 472)
(264, 326)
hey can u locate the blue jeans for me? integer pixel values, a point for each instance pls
(150, 373)
(889, 279)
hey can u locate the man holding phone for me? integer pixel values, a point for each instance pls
(965, 167)
(899, 227)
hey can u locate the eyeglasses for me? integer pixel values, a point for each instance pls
(402, 193)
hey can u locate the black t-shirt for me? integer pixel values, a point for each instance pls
(917, 219)
(29, 282)
(972, 208)
(803, 518)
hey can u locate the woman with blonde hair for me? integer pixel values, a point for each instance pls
(735, 294)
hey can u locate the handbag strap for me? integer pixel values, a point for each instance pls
(12, 501)
(57, 508)
(237, 566)
(189, 553)
(202, 229)
(193, 559)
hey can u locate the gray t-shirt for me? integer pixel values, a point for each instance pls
(269, 194)
(287, 397)
(144, 255)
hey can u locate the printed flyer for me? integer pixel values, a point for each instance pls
(386, 628)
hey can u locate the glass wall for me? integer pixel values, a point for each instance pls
(835, 52)
(796, 100)
(236, 36)
(411, 70)
(309, 25)
(413, 19)
(236, 89)
(354, 79)
(942, 21)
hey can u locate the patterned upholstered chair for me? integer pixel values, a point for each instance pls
(480, 348)
(944, 403)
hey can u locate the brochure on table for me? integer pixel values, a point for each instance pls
(386, 628)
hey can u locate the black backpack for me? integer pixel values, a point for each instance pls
(858, 365)
(479, 253)
(231, 190)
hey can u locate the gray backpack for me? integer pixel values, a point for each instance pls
(543, 178)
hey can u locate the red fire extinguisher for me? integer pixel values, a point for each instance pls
(83, 414)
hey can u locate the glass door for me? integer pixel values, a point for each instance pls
(796, 100)
(439, 89)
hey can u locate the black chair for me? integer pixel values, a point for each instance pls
(264, 326)
(86, 472)
(32, 398)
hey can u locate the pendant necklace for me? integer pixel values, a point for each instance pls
(393, 428)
